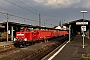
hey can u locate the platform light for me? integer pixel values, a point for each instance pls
(68, 23)
(83, 11)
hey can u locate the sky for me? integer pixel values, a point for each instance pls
(51, 11)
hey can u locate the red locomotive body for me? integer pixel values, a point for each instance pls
(44, 34)
(25, 36)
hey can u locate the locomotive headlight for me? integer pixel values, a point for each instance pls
(14, 39)
(25, 39)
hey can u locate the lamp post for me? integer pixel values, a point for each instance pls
(7, 25)
(83, 25)
(39, 20)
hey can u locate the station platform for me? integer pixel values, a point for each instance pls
(74, 49)
(6, 43)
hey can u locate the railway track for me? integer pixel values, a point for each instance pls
(47, 49)
(52, 52)
(6, 48)
(34, 52)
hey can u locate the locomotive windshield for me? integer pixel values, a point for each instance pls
(28, 30)
(22, 30)
(25, 30)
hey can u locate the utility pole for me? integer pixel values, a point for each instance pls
(60, 23)
(64, 20)
(7, 25)
(44, 22)
(39, 20)
(69, 33)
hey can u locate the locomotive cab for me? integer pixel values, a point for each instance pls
(25, 30)
(25, 36)
(21, 37)
(21, 34)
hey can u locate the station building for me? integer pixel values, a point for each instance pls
(78, 26)
(75, 26)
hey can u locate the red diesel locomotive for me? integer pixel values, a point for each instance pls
(27, 36)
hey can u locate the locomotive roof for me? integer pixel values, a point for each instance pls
(31, 26)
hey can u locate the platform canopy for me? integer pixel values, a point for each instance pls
(76, 25)
(76, 21)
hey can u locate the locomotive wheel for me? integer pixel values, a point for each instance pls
(20, 46)
(27, 44)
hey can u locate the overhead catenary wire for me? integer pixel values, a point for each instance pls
(20, 17)
(17, 16)
(24, 18)
(26, 9)
(7, 10)
(29, 6)
(34, 10)
(21, 7)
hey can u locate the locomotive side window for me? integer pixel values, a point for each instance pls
(22, 30)
(28, 30)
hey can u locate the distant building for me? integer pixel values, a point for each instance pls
(58, 27)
